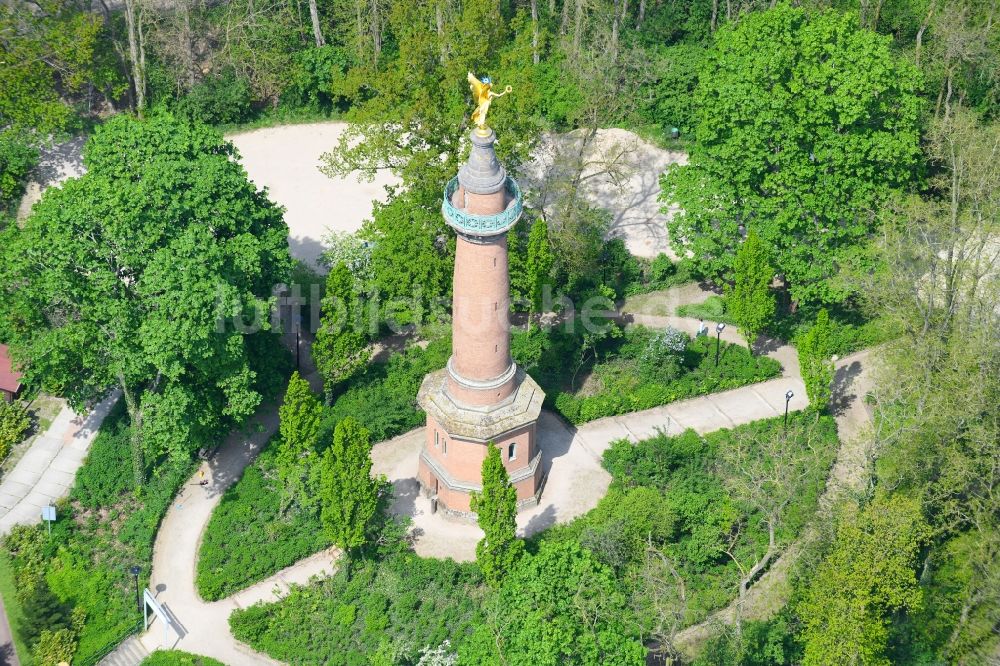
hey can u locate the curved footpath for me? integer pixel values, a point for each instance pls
(848, 476)
(572, 457)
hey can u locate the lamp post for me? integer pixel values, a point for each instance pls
(298, 342)
(788, 398)
(135, 570)
(718, 340)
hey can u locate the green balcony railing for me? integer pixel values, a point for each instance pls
(483, 225)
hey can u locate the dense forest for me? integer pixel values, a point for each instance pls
(857, 142)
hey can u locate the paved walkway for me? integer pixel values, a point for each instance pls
(204, 626)
(572, 456)
(848, 476)
(47, 470)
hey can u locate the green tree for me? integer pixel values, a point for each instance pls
(412, 257)
(14, 422)
(43, 611)
(496, 512)
(749, 300)
(559, 606)
(815, 362)
(341, 347)
(806, 122)
(936, 388)
(51, 52)
(150, 260)
(300, 416)
(17, 158)
(869, 574)
(349, 496)
(539, 263)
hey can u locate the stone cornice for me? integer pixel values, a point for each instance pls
(486, 423)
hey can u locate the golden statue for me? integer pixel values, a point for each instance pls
(482, 91)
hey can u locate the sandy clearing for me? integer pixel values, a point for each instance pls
(631, 194)
(286, 161)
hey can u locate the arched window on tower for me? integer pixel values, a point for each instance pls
(512, 451)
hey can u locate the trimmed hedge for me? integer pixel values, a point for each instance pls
(178, 658)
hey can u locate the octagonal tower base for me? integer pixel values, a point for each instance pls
(457, 435)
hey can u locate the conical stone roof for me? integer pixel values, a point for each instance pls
(482, 173)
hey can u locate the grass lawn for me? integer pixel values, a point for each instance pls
(178, 658)
(713, 309)
(13, 608)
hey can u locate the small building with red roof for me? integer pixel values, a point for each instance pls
(10, 379)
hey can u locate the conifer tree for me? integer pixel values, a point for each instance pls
(749, 300)
(341, 348)
(496, 507)
(349, 495)
(814, 361)
(539, 264)
(300, 416)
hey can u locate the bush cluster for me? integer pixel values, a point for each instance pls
(14, 423)
(103, 529)
(384, 396)
(629, 381)
(391, 608)
(250, 537)
(671, 491)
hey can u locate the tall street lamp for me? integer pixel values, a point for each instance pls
(135, 570)
(788, 398)
(718, 340)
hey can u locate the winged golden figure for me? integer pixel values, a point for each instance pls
(482, 91)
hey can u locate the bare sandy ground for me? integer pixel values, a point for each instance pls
(621, 174)
(286, 161)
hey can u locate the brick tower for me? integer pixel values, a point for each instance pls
(482, 398)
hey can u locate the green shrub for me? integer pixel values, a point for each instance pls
(14, 423)
(629, 380)
(102, 530)
(178, 658)
(221, 98)
(17, 159)
(699, 513)
(312, 78)
(404, 601)
(249, 537)
(384, 397)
